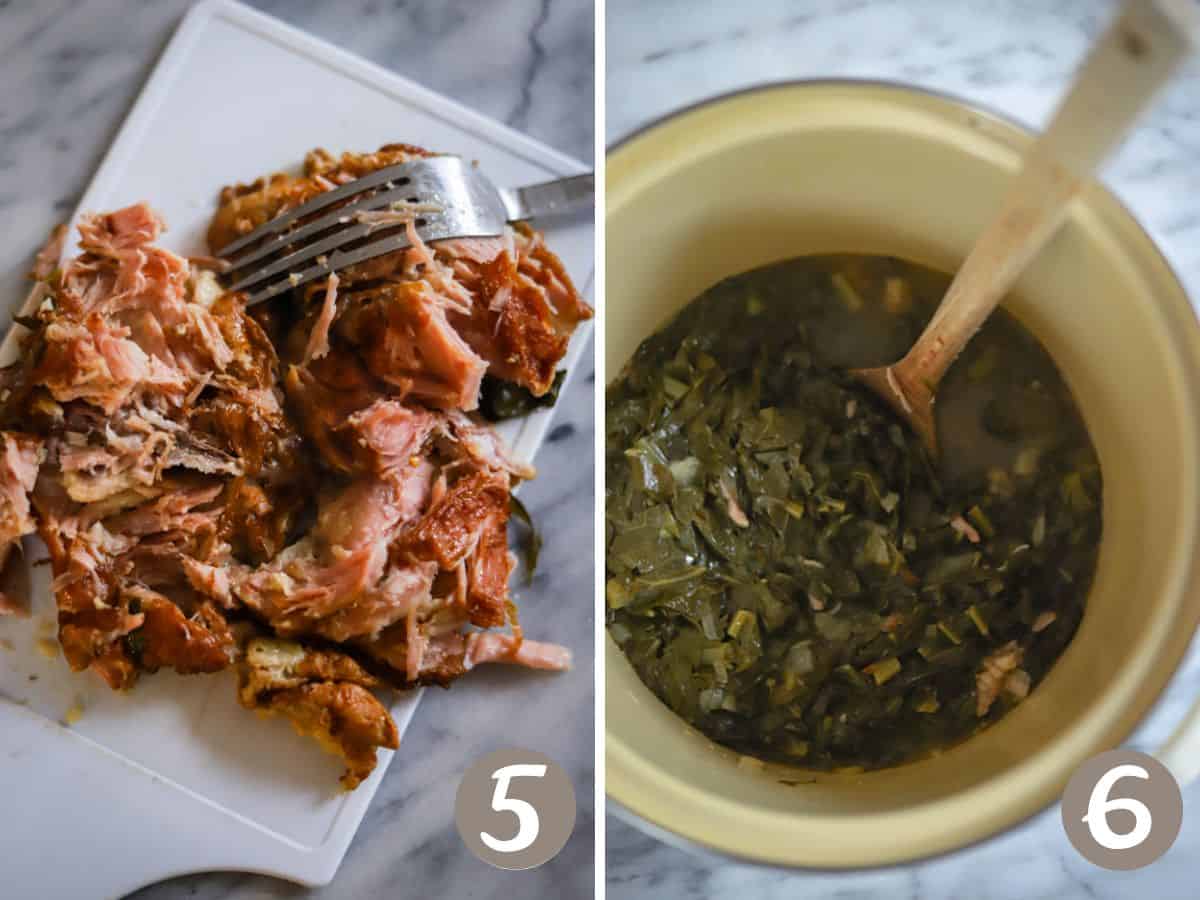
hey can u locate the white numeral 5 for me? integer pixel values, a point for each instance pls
(527, 817)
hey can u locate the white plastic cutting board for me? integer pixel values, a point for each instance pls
(176, 777)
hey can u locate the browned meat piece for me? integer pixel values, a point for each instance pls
(120, 326)
(115, 666)
(521, 306)
(97, 361)
(406, 340)
(254, 525)
(400, 592)
(482, 446)
(92, 639)
(523, 310)
(242, 407)
(201, 642)
(387, 435)
(344, 719)
(20, 457)
(415, 658)
(325, 696)
(253, 361)
(455, 522)
(506, 303)
(320, 163)
(338, 582)
(249, 424)
(99, 603)
(14, 584)
(487, 574)
(121, 322)
(129, 452)
(185, 508)
(244, 207)
(271, 664)
(444, 657)
(92, 619)
(324, 395)
(354, 431)
(115, 465)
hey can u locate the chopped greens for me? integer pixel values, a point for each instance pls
(532, 541)
(135, 643)
(500, 399)
(788, 571)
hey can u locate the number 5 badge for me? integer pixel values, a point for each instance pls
(515, 808)
(1122, 809)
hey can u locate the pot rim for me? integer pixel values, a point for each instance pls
(701, 848)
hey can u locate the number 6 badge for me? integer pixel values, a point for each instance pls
(515, 808)
(1122, 809)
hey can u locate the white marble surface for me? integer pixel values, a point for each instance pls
(1011, 55)
(70, 70)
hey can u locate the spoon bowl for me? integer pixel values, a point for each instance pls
(1122, 73)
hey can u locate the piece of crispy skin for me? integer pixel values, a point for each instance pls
(325, 695)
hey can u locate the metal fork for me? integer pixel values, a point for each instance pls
(446, 197)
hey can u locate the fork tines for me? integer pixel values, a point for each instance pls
(313, 247)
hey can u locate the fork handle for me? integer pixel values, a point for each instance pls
(550, 198)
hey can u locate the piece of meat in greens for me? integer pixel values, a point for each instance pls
(785, 568)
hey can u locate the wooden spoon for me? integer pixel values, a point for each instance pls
(1118, 79)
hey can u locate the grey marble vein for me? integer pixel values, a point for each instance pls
(1014, 56)
(70, 71)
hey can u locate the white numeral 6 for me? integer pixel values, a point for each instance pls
(1099, 806)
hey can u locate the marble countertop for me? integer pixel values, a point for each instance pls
(71, 69)
(1014, 56)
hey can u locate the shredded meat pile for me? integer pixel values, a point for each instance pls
(305, 474)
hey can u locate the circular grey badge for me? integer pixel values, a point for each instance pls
(1122, 809)
(515, 808)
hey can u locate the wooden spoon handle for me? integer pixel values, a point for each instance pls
(1122, 73)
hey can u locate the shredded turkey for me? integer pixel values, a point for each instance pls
(965, 528)
(307, 472)
(996, 669)
(325, 695)
(318, 341)
(19, 462)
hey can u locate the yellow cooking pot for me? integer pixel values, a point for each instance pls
(789, 170)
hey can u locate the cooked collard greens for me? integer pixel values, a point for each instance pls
(789, 572)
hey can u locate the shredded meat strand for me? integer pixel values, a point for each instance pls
(993, 672)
